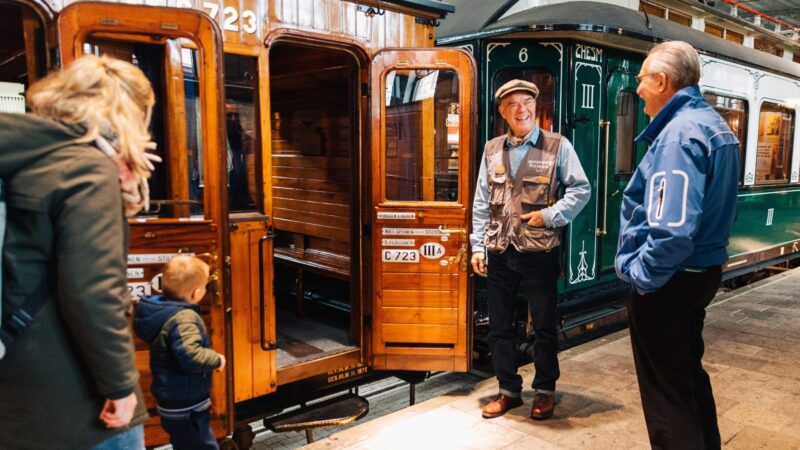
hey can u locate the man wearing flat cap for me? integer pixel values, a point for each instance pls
(517, 217)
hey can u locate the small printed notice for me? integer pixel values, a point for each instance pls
(413, 232)
(432, 250)
(400, 256)
(151, 258)
(136, 272)
(397, 215)
(139, 290)
(399, 242)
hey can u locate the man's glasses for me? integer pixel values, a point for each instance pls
(641, 77)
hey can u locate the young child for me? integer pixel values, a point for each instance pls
(181, 357)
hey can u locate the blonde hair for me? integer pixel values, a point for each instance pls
(182, 274)
(103, 95)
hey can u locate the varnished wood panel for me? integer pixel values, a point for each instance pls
(411, 298)
(416, 315)
(420, 333)
(422, 281)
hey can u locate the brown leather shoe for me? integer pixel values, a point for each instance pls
(543, 406)
(500, 406)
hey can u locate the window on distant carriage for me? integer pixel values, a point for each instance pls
(775, 136)
(545, 102)
(243, 143)
(422, 135)
(626, 132)
(734, 111)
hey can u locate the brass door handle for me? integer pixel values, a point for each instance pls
(443, 228)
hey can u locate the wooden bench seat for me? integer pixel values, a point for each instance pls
(315, 260)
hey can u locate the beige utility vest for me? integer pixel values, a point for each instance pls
(534, 187)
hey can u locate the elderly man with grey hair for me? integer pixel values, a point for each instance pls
(517, 218)
(677, 213)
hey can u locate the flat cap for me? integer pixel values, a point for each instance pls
(516, 85)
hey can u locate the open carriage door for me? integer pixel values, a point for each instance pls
(422, 121)
(180, 52)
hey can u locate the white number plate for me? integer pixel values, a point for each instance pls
(401, 256)
(139, 290)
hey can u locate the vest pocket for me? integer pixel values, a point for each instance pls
(496, 189)
(535, 191)
(539, 238)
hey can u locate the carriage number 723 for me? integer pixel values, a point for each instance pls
(401, 256)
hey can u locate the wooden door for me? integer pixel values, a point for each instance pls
(422, 150)
(180, 52)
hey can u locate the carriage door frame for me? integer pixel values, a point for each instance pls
(421, 302)
(613, 177)
(202, 231)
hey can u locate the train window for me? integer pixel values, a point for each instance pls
(22, 54)
(545, 102)
(422, 135)
(734, 111)
(243, 143)
(176, 184)
(626, 131)
(775, 135)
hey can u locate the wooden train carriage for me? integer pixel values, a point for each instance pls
(584, 57)
(318, 154)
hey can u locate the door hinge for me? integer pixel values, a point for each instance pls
(366, 230)
(365, 90)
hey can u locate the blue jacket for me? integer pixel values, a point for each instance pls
(181, 357)
(679, 207)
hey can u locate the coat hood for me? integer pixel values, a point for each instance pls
(152, 312)
(24, 138)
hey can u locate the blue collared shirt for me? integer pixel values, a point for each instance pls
(680, 205)
(569, 172)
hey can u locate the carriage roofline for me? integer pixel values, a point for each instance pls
(594, 17)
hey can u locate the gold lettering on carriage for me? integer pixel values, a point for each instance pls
(588, 53)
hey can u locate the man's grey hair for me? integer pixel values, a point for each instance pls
(679, 60)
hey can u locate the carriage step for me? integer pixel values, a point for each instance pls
(333, 412)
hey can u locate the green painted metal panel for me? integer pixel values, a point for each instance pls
(765, 219)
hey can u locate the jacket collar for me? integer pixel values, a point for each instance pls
(666, 114)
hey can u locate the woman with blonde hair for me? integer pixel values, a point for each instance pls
(73, 169)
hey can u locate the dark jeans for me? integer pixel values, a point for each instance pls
(535, 273)
(667, 338)
(192, 432)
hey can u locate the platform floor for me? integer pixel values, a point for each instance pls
(752, 340)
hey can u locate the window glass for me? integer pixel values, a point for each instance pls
(625, 133)
(775, 134)
(241, 97)
(734, 37)
(22, 54)
(176, 184)
(734, 111)
(679, 18)
(545, 102)
(652, 10)
(714, 29)
(422, 135)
